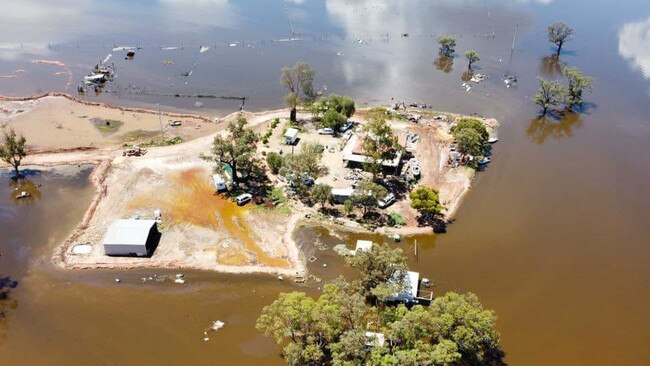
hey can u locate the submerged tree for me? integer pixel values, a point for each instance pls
(558, 34)
(550, 93)
(447, 45)
(472, 136)
(299, 81)
(235, 150)
(577, 83)
(472, 56)
(12, 150)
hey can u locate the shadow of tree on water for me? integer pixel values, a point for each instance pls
(6, 304)
(557, 125)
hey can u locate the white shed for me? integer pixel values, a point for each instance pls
(340, 195)
(291, 136)
(363, 245)
(130, 237)
(219, 182)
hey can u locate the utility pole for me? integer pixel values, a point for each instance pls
(162, 133)
(514, 38)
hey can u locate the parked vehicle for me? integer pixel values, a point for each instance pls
(484, 161)
(243, 199)
(348, 125)
(175, 123)
(326, 131)
(386, 201)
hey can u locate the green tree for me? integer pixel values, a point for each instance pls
(299, 81)
(472, 56)
(377, 269)
(447, 45)
(379, 144)
(558, 34)
(342, 104)
(237, 150)
(333, 120)
(365, 196)
(321, 193)
(577, 83)
(472, 136)
(550, 93)
(275, 161)
(426, 201)
(12, 150)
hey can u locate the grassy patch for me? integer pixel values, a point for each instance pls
(139, 134)
(166, 142)
(106, 125)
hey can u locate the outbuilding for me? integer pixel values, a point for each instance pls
(363, 245)
(130, 237)
(340, 195)
(291, 136)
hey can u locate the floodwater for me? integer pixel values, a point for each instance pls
(553, 236)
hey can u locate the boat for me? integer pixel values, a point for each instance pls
(484, 160)
(493, 139)
(95, 79)
(130, 53)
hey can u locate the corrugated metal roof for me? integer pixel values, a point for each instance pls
(128, 232)
(291, 133)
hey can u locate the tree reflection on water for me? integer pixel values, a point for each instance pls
(551, 65)
(444, 63)
(543, 127)
(6, 304)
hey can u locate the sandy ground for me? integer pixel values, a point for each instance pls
(199, 229)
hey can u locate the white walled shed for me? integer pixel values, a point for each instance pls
(130, 237)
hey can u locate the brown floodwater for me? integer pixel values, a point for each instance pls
(553, 236)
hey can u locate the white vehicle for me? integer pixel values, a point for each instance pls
(175, 123)
(326, 131)
(348, 125)
(386, 201)
(243, 199)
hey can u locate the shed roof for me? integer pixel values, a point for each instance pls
(345, 192)
(128, 232)
(291, 133)
(365, 245)
(218, 179)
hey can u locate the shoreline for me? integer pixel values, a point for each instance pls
(107, 160)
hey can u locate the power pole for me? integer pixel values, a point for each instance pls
(162, 133)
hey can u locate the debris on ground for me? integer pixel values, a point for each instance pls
(477, 78)
(342, 249)
(510, 80)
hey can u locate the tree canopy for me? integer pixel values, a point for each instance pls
(304, 166)
(426, 201)
(447, 45)
(472, 136)
(299, 81)
(274, 161)
(366, 194)
(379, 143)
(331, 329)
(321, 193)
(341, 104)
(333, 120)
(577, 83)
(550, 93)
(237, 150)
(472, 56)
(558, 34)
(12, 150)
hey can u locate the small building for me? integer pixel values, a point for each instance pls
(354, 154)
(130, 237)
(411, 293)
(219, 182)
(291, 136)
(340, 195)
(363, 245)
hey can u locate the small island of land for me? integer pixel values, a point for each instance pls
(172, 180)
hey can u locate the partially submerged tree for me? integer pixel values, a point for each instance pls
(12, 150)
(321, 193)
(558, 34)
(550, 93)
(299, 81)
(447, 45)
(237, 150)
(377, 268)
(472, 56)
(577, 83)
(379, 144)
(366, 196)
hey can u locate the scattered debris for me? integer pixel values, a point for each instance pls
(117, 280)
(477, 78)
(180, 281)
(198, 104)
(167, 62)
(218, 324)
(342, 249)
(204, 49)
(340, 53)
(510, 80)
(82, 249)
(312, 259)
(280, 278)
(405, 34)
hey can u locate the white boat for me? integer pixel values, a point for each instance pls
(484, 160)
(493, 139)
(95, 79)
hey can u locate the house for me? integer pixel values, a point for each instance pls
(363, 245)
(219, 182)
(411, 293)
(354, 154)
(131, 237)
(340, 195)
(291, 136)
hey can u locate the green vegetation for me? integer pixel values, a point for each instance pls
(426, 201)
(321, 193)
(550, 93)
(558, 34)
(237, 150)
(333, 120)
(275, 162)
(395, 219)
(472, 136)
(366, 195)
(303, 168)
(106, 125)
(379, 143)
(12, 150)
(331, 329)
(299, 81)
(340, 104)
(447, 45)
(472, 56)
(166, 142)
(577, 83)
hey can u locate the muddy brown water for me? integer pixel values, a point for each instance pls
(553, 236)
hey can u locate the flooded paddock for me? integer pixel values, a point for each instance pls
(553, 235)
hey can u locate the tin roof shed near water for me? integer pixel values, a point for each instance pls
(128, 232)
